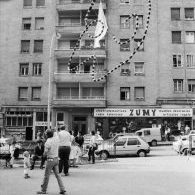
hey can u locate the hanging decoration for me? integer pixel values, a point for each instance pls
(92, 58)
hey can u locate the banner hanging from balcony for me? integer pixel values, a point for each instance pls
(101, 27)
(155, 112)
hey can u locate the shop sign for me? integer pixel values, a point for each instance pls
(155, 112)
(43, 123)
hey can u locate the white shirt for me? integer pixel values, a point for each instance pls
(92, 140)
(51, 147)
(65, 138)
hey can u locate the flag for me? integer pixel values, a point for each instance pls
(101, 27)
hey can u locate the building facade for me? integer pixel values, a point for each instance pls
(45, 44)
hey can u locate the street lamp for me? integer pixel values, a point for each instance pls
(54, 37)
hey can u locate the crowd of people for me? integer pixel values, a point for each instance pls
(61, 150)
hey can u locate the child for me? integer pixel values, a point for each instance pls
(74, 154)
(26, 164)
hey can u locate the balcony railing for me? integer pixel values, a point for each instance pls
(80, 98)
(65, 2)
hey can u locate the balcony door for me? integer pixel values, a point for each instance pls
(79, 123)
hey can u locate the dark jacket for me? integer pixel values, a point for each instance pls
(79, 140)
(39, 151)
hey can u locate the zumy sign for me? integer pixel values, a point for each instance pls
(155, 112)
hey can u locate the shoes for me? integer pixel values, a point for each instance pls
(11, 166)
(66, 174)
(26, 177)
(31, 168)
(63, 192)
(41, 192)
(75, 166)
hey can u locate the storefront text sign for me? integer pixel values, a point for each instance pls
(41, 123)
(111, 112)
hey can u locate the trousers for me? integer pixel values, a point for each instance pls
(64, 153)
(52, 164)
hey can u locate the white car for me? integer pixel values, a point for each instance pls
(124, 145)
(182, 144)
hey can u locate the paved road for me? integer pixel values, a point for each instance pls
(161, 173)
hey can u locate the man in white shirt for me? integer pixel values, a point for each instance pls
(64, 150)
(51, 151)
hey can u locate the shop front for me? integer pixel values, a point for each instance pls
(111, 120)
(76, 120)
(23, 123)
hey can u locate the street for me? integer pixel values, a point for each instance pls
(163, 172)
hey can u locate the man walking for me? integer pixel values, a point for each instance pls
(51, 151)
(64, 150)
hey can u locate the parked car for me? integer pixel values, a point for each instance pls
(182, 144)
(116, 135)
(150, 135)
(124, 145)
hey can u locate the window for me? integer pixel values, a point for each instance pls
(125, 70)
(140, 21)
(124, 22)
(67, 93)
(39, 23)
(125, 46)
(133, 141)
(88, 44)
(175, 13)
(121, 142)
(37, 69)
(147, 132)
(26, 23)
(139, 93)
(73, 44)
(125, 93)
(177, 61)
(190, 61)
(36, 93)
(137, 43)
(40, 3)
(189, 13)
(27, 3)
(139, 68)
(60, 117)
(178, 85)
(24, 69)
(124, 1)
(38, 46)
(191, 85)
(176, 36)
(190, 37)
(23, 93)
(25, 46)
(41, 116)
(19, 119)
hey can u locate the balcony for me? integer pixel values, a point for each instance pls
(95, 101)
(66, 53)
(79, 76)
(77, 4)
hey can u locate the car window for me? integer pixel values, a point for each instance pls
(147, 132)
(139, 133)
(133, 141)
(120, 142)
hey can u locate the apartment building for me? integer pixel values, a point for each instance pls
(157, 87)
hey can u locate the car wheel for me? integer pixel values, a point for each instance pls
(141, 153)
(154, 143)
(104, 155)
